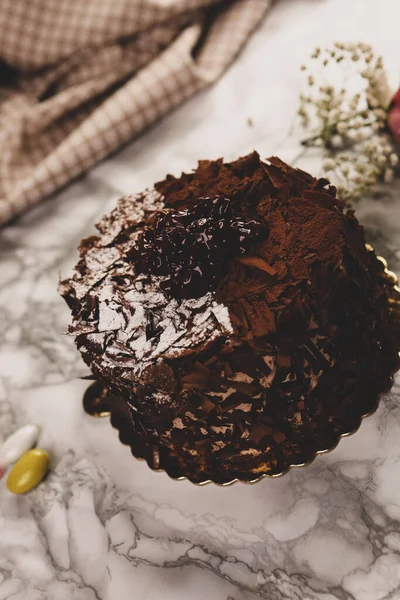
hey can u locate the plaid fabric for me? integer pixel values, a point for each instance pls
(82, 77)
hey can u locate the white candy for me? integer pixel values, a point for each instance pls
(18, 443)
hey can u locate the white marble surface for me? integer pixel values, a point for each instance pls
(102, 525)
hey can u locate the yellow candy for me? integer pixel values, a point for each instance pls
(28, 472)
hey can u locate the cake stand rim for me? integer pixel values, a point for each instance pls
(393, 278)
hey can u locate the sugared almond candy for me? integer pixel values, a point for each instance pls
(28, 472)
(19, 442)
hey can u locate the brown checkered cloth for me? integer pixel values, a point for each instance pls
(80, 78)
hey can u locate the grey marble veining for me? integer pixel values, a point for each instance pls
(102, 525)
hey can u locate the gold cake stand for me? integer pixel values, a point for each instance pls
(95, 404)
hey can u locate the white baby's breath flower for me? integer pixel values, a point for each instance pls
(334, 115)
(366, 48)
(373, 101)
(383, 92)
(345, 169)
(388, 176)
(387, 148)
(329, 164)
(349, 116)
(380, 113)
(337, 141)
(358, 123)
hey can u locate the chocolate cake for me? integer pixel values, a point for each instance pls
(236, 318)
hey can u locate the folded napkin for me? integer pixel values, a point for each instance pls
(80, 78)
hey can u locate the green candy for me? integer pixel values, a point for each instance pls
(28, 472)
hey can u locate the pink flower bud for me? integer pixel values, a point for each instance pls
(394, 116)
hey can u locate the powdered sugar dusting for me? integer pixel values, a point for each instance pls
(130, 210)
(126, 320)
